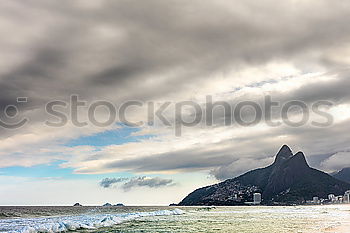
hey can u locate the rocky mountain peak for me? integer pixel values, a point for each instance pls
(283, 155)
(288, 180)
(300, 159)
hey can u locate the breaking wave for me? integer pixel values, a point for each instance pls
(72, 223)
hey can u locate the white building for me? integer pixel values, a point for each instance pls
(235, 196)
(331, 198)
(340, 199)
(346, 198)
(315, 200)
(257, 198)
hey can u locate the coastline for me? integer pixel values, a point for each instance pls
(273, 219)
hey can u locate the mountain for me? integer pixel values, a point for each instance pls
(343, 175)
(289, 180)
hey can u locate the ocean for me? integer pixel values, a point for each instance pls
(331, 218)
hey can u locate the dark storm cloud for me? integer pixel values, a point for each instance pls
(111, 49)
(183, 160)
(200, 43)
(108, 182)
(155, 182)
(143, 181)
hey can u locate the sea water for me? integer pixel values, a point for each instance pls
(175, 219)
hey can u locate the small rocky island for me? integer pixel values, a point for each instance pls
(110, 205)
(77, 204)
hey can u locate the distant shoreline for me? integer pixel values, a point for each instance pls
(243, 205)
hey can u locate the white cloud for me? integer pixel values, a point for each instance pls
(337, 161)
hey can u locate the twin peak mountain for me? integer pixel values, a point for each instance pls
(289, 180)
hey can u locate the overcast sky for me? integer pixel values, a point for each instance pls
(161, 51)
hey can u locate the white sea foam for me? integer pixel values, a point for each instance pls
(71, 223)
